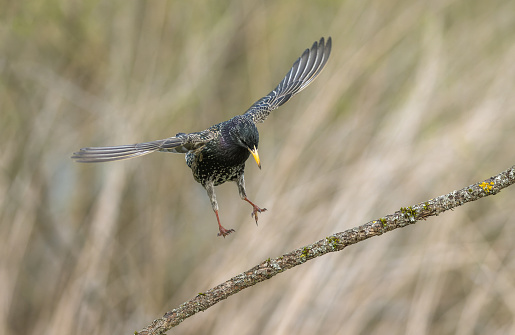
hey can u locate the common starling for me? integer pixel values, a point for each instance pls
(218, 154)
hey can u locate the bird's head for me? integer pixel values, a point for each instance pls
(244, 133)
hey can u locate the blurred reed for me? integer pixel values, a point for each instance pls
(416, 100)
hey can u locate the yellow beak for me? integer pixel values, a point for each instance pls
(256, 156)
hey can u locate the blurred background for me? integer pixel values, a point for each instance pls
(417, 100)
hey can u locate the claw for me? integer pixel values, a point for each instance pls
(224, 232)
(255, 210)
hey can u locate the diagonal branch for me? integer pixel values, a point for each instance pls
(336, 242)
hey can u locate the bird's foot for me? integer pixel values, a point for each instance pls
(224, 232)
(255, 210)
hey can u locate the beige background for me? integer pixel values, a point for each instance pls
(417, 100)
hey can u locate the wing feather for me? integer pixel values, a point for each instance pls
(305, 69)
(180, 143)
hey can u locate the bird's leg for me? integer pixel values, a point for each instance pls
(243, 195)
(210, 188)
(223, 232)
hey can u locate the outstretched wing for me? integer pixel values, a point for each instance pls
(180, 143)
(303, 72)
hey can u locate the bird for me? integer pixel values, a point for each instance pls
(218, 154)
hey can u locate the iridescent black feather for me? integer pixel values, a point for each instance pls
(218, 154)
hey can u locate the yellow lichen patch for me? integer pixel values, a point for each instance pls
(487, 187)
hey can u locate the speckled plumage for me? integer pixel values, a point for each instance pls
(222, 158)
(218, 154)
